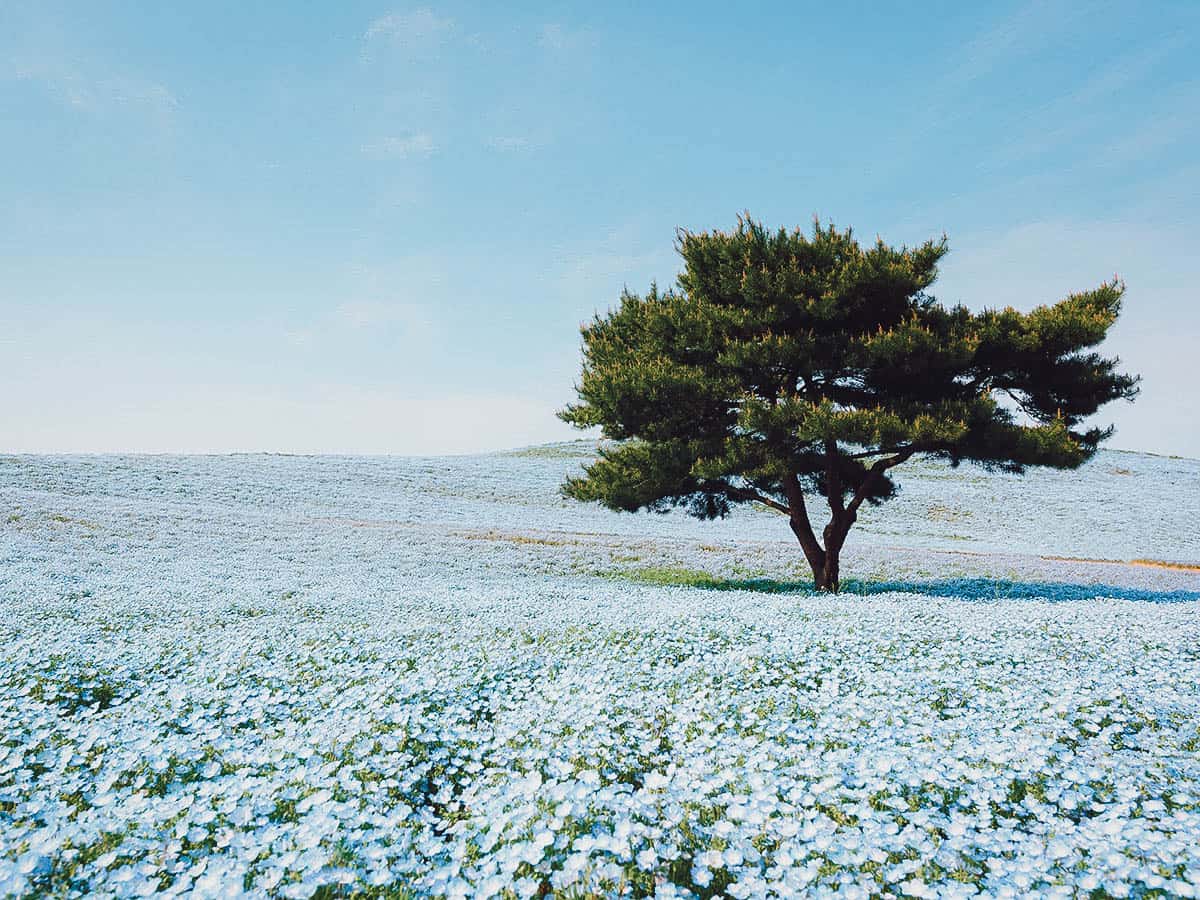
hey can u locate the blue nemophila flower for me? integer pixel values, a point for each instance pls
(425, 712)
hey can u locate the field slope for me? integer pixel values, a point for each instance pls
(333, 676)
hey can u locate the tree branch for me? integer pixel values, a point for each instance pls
(876, 472)
(798, 519)
(1025, 406)
(882, 451)
(745, 494)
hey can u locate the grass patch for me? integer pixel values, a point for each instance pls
(678, 576)
(583, 449)
(71, 520)
(939, 512)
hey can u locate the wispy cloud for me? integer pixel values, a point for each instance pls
(1151, 136)
(1032, 26)
(557, 38)
(511, 143)
(1126, 70)
(419, 144)
(93, 89)
(374, 299)
(298, 337)
(553, 37)
(314, 416)
(416, 30)
(357, 322)
(1088, 109)
(591, 275)
(369, 313)
(983, 62)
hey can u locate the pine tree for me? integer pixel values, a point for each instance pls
(787, 367)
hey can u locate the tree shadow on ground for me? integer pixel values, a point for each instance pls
(972, 588)
(1005, 589)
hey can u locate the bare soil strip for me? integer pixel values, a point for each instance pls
(1145, 563)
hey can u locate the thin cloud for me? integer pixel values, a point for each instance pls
(192, 416)
(1086, 110)
(590, 277)
(553, 37)
(1001, 45)
(510, 143)
(56, 58)
(418, 29)
(558, 39)
(355, 323)
(370, 313)
(1127, 70)
(419, 144)
(91, 91)
(298, 337)
(1171, 121)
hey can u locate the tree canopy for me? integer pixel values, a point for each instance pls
(786, 366)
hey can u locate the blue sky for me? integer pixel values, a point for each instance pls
(362, 227)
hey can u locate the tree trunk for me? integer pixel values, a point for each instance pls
(802, 528)
(826, 577)
(825, 562)
(808, 543)
(822, 560)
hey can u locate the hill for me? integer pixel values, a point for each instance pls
(315, 676)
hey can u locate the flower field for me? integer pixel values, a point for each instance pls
(295, 677)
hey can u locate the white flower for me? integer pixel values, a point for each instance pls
(654, 781)
(525, 888)
(480, 706)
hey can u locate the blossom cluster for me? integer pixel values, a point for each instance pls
(189, 707)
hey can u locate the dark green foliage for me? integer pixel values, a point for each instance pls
(786, 364)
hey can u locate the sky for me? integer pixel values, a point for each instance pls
(358, 227)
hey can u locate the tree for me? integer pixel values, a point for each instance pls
(786, 367)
